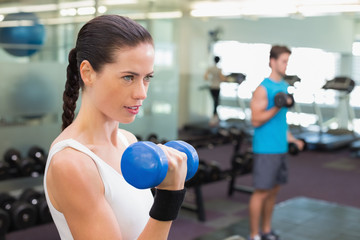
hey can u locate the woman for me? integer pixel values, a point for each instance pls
(215, 76)
(112, 64)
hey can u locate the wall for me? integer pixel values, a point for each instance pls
(331, 33)
(174, 97)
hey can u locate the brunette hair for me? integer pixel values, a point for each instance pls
(277, 50)
(97, 43)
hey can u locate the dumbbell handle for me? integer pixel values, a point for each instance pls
(144, 164)
(281, 100)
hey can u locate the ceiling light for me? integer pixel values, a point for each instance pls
(77, 4)
(135, 15)
(215, 5)
(118, 2)
(65, 20)
(102, 9)
(210, 12)
(86, 11)
(68, 12)
(326, 9)
(160, 15)
(7, 10)
(17, 23)
(38, 8)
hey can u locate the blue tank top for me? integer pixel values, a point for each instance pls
(271, 137)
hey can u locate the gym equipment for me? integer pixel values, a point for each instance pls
(38, 155)
(292, 79)
(144, 164)
(236, 78)
(153, 137)
(293, 148)
(4, 223)
(19, 166)
(355, 148)
(22, 214)
(343, 136)
(281, 100)
(26, 38)
(242, 162)
(4, 170)
(32, 97)
(341, 84)
(201, 176)
(139, 138)
(214, 171)
(38, 200)
(12, 157)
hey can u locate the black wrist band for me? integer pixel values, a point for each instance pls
(167, 204)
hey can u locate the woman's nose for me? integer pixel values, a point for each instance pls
(140, 91)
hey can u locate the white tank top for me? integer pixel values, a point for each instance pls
(131, 206)
(214, 74)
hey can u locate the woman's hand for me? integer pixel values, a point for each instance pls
(177, 169)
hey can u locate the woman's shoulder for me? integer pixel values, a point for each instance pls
(72, 161)
(131, 138)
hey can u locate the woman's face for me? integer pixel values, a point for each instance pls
(121, 87)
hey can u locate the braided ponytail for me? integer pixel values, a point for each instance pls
(71, 92)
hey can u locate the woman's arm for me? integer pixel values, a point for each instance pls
(76, 190)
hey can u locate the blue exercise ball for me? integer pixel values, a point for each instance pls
(26, 38)
(32, 96)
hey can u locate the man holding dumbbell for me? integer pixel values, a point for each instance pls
(88, 197)
(270, 144)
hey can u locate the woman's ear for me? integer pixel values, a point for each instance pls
(87, 73)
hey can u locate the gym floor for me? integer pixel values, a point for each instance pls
(321, 201)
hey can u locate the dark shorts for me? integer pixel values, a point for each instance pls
(269, 170)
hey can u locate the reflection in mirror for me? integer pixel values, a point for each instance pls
(29, 95)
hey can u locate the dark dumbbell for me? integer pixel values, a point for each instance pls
(19, 166)
(153, 137)
(293, 148)
(249, 161)
(38, 155)
(38, 200)
(144, 164)
(22, 214)
(223, 135)
(4, 170)
(284, 100)
(242, 163)
(4, 223)
(139, 138)
(12, 157)
(215, 171)
(30, 168)
(201, 176)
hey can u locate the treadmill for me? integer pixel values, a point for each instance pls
(333, 139)
(202, 128)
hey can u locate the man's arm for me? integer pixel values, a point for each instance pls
(258, 105)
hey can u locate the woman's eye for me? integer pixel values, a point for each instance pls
(148, 78)
(128, 78)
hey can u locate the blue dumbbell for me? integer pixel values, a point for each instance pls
(144, 164)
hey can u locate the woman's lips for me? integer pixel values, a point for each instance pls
(133, 109)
